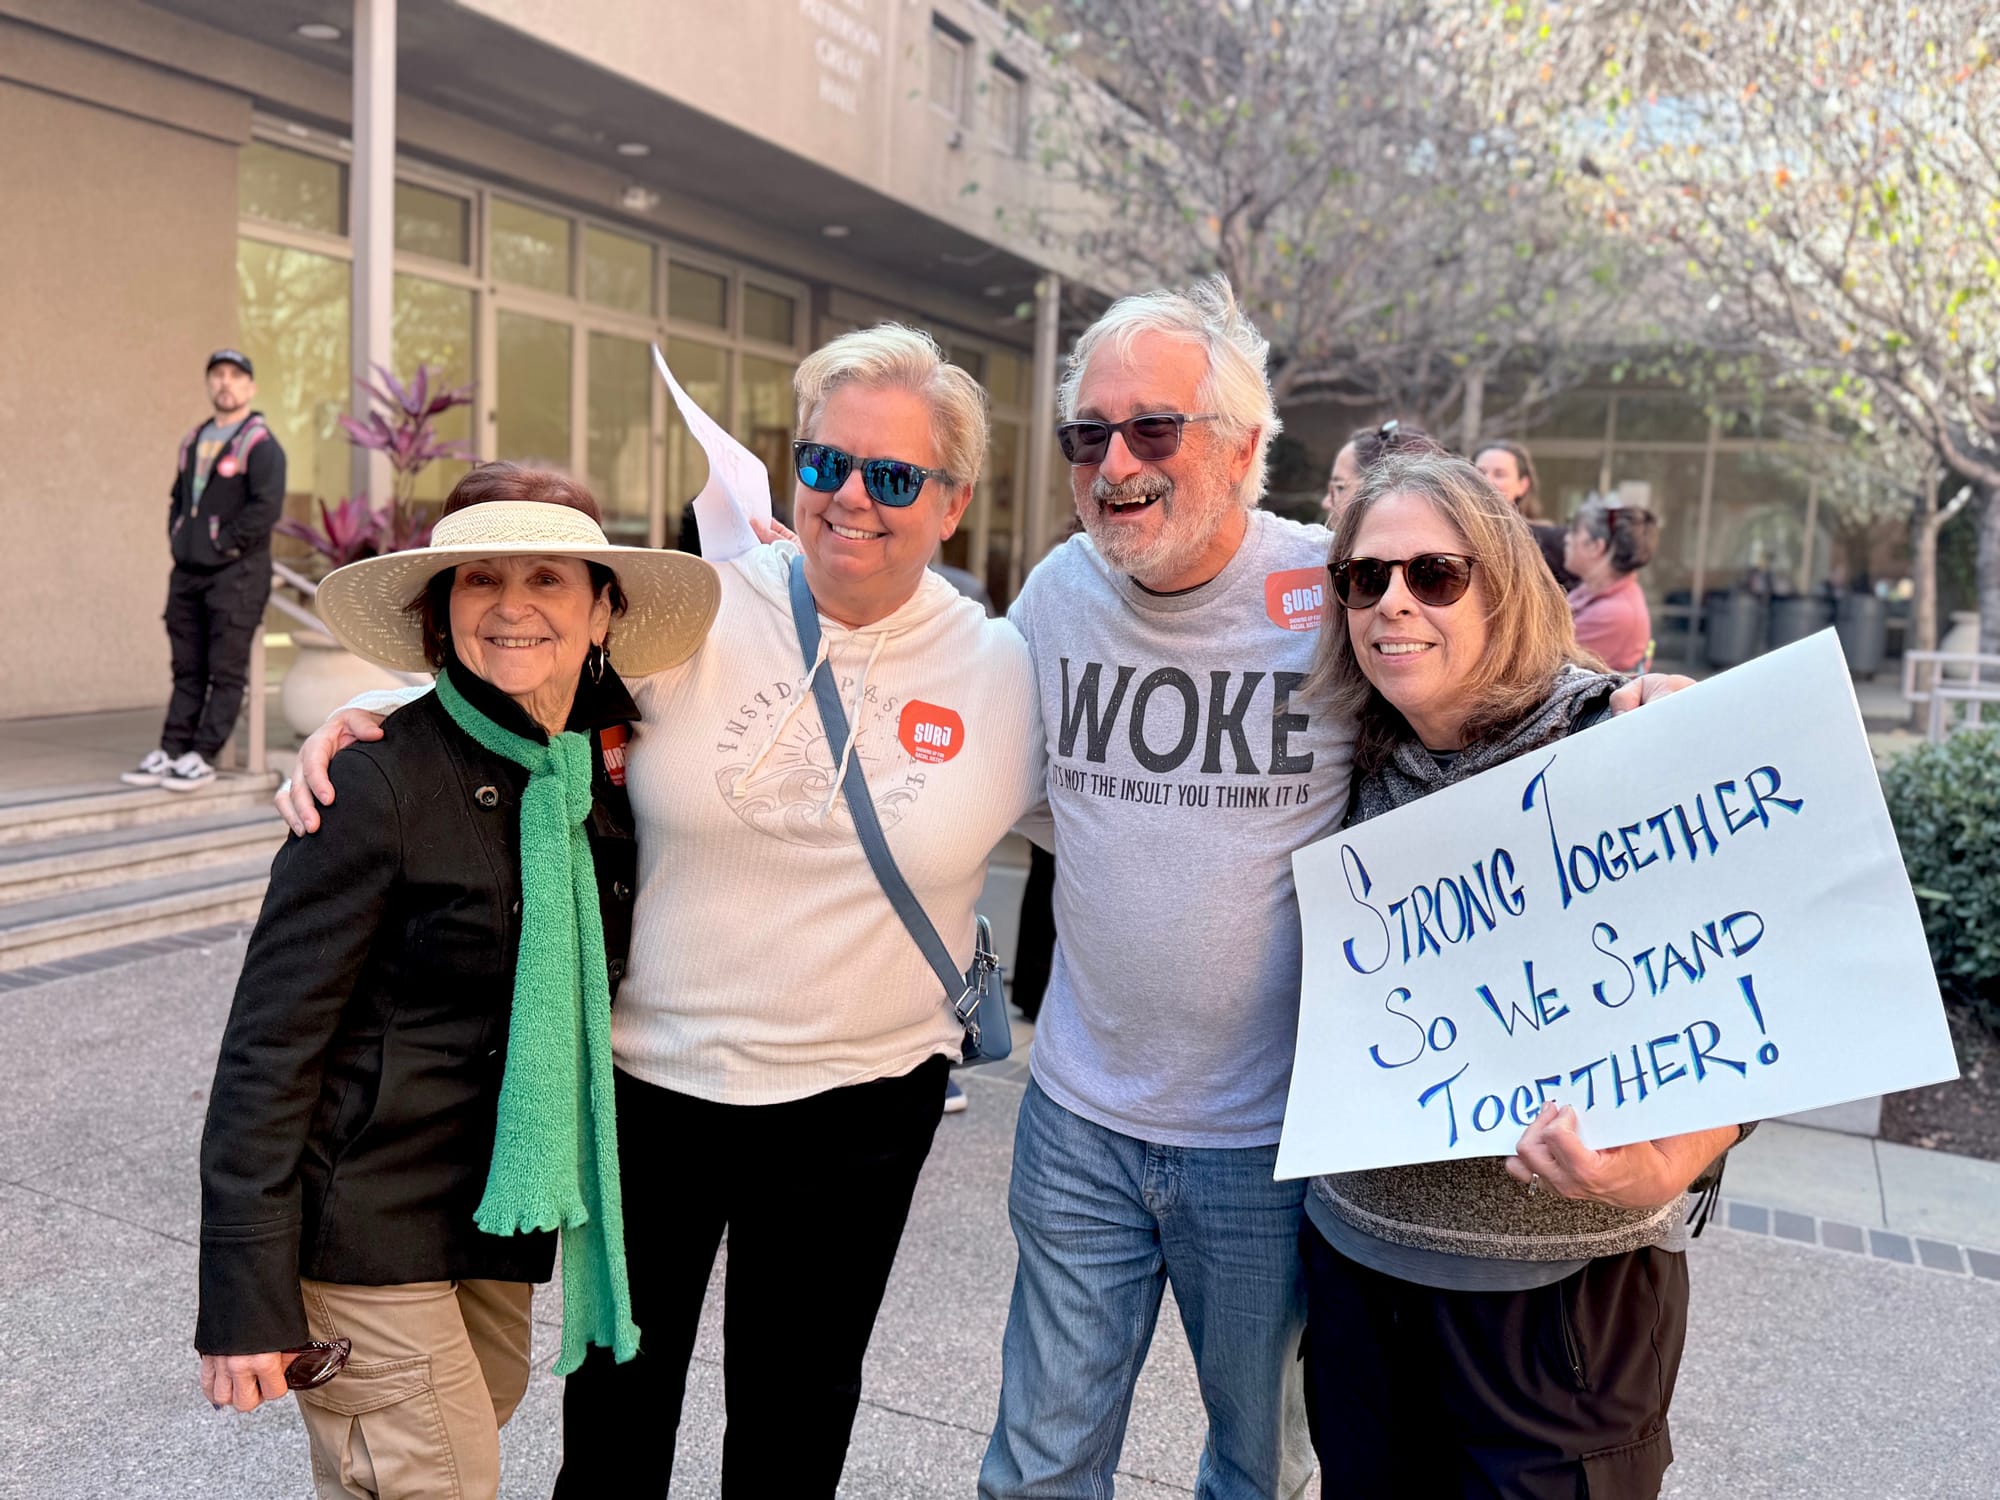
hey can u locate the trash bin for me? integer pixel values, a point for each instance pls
(1863, 623)
(1734, 625)
(1796, 617)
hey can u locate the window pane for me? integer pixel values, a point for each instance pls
(947, 70)
(1662, 418)
(969, 360)
(290, 187)
(433, 223)
(697, 296)
(530, 248)
(1575, 414)
(292, 317)
(534, 390)
(617, 271)
(1003, 380)
(768, 315)
(620, 394)
(433, 326)
(1002, 485)
(1003, 109)
(703, 371)
(764, 426)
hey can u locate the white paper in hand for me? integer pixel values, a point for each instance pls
(738, 488)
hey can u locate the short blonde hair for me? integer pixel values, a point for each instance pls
(1235, 388)
(893, 357)
(1530, 634)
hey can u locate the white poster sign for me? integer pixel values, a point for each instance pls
(738, 488)
(1693, 915)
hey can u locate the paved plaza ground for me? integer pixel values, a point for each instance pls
(1811, 1370)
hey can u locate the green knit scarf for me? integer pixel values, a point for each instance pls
(555, 1145)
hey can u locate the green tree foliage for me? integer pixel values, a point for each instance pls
(1366, 172)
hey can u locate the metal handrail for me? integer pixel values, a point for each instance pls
(1940, 691)
(256, 753)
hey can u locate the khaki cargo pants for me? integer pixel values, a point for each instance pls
(438, 1368)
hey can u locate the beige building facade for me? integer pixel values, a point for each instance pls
(521, 194)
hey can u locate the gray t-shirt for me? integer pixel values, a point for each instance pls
(1184, 769)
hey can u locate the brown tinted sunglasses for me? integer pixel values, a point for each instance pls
(313, 1365)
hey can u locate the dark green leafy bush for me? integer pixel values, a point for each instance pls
(1945, 802)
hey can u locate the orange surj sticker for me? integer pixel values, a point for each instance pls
(1296, 598)
(611, 739)
(931, 734)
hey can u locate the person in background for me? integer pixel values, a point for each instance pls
(1510, 470)
(1544, 1364)
(228, 492)
(1606, 546)
(1361, 452)
(414, 1086)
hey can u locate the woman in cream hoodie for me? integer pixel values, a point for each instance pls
(781, 1043)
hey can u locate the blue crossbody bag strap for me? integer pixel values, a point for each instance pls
(867, 826)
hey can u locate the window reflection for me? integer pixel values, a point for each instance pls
(293, 323)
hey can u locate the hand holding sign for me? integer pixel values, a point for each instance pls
(1677, 921)
(738, 493)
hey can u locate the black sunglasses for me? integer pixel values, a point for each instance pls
(888, 481)
(1148, 438)
(1433, 578)
(312, 1365)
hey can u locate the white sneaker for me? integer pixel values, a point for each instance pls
(187, 773)
(954, 1097)
(151, 771)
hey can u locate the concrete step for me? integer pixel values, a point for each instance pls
(73, 922)
(65, 812)
(117, 856)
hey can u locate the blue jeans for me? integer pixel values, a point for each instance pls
(1104, 1223)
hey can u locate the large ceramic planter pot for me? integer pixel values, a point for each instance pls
(324, 676)
(1963, 637)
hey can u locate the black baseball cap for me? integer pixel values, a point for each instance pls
(234, 357)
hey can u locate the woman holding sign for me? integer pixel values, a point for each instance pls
(1480, 1327)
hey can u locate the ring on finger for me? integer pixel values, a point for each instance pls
(1534, 1182)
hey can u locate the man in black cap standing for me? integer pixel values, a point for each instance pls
(229, 489)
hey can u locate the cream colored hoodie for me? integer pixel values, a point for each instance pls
(766, 963)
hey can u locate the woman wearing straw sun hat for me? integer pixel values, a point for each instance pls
(414, 1087)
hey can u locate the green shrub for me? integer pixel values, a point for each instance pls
(1945, 802)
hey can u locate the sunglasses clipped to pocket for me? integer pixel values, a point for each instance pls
(887, 481)
(1433, 578)
(312, 1365)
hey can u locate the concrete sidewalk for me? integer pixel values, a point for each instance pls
(1811, 1369)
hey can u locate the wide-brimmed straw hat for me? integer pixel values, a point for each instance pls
(671, 597)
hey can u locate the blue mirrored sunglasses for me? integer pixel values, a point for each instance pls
(887, 481)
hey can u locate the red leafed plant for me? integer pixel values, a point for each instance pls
(402, 425)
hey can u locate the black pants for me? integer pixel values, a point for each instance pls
(814, 1194)
(1559, 1393)
(1035, 938)
(211, 620)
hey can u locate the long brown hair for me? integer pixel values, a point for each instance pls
(1531, 497)
(1530, 635)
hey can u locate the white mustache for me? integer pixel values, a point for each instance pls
(1138, 487)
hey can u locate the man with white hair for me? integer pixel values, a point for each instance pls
(1169, 642)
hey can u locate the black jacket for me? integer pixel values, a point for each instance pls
(350, 1127)
(239, 505)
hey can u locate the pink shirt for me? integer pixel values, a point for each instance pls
(1615, 624)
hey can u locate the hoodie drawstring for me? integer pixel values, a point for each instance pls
(853, 724)
(784, 722)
